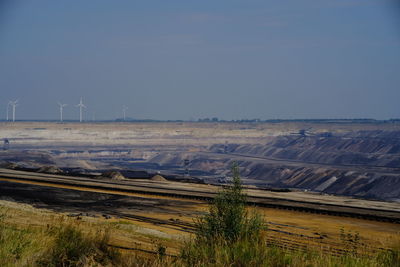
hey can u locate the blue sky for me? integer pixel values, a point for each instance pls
(173, 59)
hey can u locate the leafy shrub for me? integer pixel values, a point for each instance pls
(228, 234)
(161, 251)
(74, 248)
(228, 218)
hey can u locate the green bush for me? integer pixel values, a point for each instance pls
(72, 247)
(228, 234)
(228, 218)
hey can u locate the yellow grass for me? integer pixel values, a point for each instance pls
(297, 228)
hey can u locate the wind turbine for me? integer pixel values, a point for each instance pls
(62, 106)
(8, 104)
(80, 106)
(124, 109)
(14, 104)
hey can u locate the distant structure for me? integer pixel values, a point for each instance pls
(124, 109)
(6, 144)
(186, 163)
(80, 106)
(303, 132)
(14, 104)
(222, 179)
(325, 134)
(62, 106)
(8, 105)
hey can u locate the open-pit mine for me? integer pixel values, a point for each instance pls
(309, 179)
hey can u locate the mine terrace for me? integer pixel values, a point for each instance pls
(307, 177)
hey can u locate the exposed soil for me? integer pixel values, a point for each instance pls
(158, 178)
(352, 159)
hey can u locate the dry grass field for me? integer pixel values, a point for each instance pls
(171, 221)
(143, 237)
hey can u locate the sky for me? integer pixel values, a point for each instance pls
(231, 59)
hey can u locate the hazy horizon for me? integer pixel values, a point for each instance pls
(182, 60)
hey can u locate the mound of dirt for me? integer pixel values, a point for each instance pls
(114, 175)
(158, 178)
(50, 169)
(84, 164)
(8, 165)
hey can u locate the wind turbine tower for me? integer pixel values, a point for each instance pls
(80, 106)
(8, 105)
(62, 106)
(14, 104)
(124, 109)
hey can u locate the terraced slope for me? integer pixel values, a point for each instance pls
(354, 159)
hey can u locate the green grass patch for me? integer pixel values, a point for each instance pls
(72, 247)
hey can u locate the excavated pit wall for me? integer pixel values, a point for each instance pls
(375, 148)
(362, 164)
(329, 180)
(337, 159)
